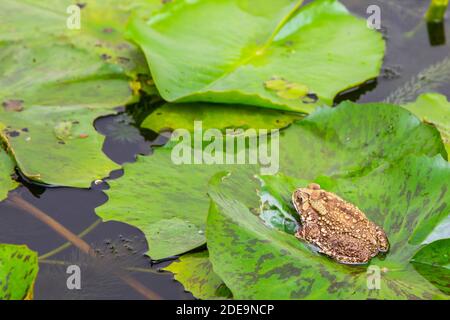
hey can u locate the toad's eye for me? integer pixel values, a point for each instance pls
(301, 198)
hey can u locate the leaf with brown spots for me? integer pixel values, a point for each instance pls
(331, 141)
(257, 261)
(18, 271)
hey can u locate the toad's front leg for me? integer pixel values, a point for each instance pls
(383, 242)
(300, 234)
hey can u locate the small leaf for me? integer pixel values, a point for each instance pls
(195, 273)
(6, 170)
(18, 271)
(433, 263)
(73, 155)
(433, 108)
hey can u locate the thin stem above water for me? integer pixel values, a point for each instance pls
(436, 11)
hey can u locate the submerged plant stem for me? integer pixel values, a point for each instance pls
(52, 223)
(436, 11)
(68, 244)
(77, 242)
(429, 79)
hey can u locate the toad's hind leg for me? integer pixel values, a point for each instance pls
(383, 242)
(350, 260)
(349, 250)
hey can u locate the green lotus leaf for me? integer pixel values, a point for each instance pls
(6, 170)
(195, 272)
(91, 66)
(435, 109)
(408, 199)
(101, 32)
(234, 51)
(18, 271)
(216, 116)
(168, 202)
(73, 155)
(52, 74)
(89, 81)
(433, 263)
(354, 138)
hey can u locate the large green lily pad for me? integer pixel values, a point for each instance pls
(270, 54)
(433, 108)
(169, 203)
(33, 105)
(73, 157)
(38, 74)
(6, 170)
(408, 199)
(18, 271)
(52, 75)
(102, 26)
(91, 66)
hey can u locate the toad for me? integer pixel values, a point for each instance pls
(336, 227)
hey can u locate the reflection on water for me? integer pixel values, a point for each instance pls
(412, 66)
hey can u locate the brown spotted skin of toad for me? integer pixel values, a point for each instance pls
(336, 227)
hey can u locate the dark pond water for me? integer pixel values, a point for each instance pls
(406, 73)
